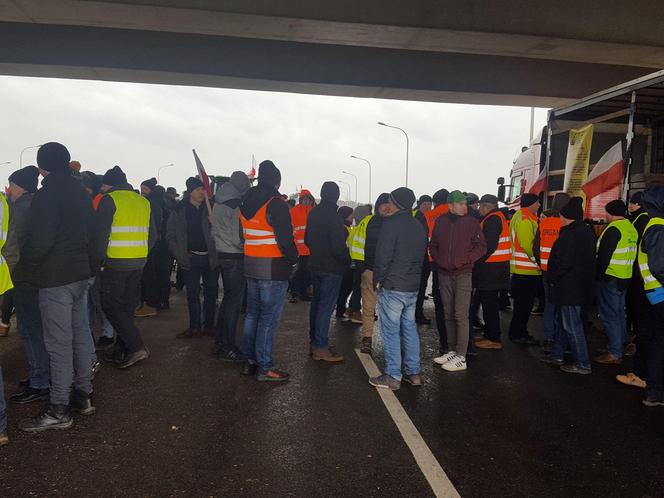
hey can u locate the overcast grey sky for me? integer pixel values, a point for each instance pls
(310, 138)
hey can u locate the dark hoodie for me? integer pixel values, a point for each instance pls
(278, 216)
(653, 239)
(326, 238)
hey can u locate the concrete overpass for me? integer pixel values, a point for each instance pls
(500, 52)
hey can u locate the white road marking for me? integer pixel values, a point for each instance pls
(433, 472)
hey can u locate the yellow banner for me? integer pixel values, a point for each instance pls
(578, 159)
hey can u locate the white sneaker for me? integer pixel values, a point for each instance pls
(455, 364)
(441, 360)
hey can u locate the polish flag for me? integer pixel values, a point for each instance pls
(607, 173)
(252, 171)
(540, 184)
(202, 174)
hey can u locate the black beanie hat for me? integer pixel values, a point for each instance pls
(53, 156)
(573, 210)
(114, 176)
(150, 183)
(472, 198)
(171, 190)
(329, 192)
(26, 178)
(489, 199)
(440, 197)
(193, 182)
(269, 174)
(616, 208)
(92, 181)
(424, 198)
(637, 198)
(383, 198)
(403, 198)
(528, 199)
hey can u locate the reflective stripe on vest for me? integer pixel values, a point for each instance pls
(649, 280)
(520, 263)
(131, 226)
(623, 257)
(299, 215)
(5, 278)
(357, 239)
(503, 252)
(259, 238)
(549, 229)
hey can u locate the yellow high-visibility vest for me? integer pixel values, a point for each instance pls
(5, 278)
(131, 226)
(650, 283)
(357, 239)
(624, 255)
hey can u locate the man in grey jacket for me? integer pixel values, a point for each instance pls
(228, 241)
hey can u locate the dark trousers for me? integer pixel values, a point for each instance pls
(199, 269)
(474, 311)
(356, 296)
(120, 293)
(645, 323)
(149, 282)
(234, 282)
(490, 301)
(421, 294)
(326, 293)
(655, 378)
(345, 291)
(7, 306)
(524, 290)
(440, 315)
(163, 266)
(301, 277)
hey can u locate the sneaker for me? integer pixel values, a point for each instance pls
(356, 317)
(292, 299)
(233, 356)
(631, 379)
(145, 311)
(456, 364)
(527, 340)
(272, 375)
(630, 349)
(547, 346)
(488, 344)
(29, 395)
(385, 382)
(104, 342)
(248, 369)
(653, 399)
(441, 360)
(325, 354)
(574, 369)
(81, 403)
(133, 358)
(607, 359)
(538, 311)
(96, 366)
(3, 439)
(51, 417)
(365, 345)
(188, 334)
(413, 380)
(551, 360)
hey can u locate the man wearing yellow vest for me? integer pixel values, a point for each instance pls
(526, 273)
(125, 233)
(616, 253)
(651, 266)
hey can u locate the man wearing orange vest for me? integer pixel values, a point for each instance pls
(492, 272)
(302, 277)
(546, 236)
(269, 256)
(526, 273)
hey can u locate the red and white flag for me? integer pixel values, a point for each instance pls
(540, 184)
(202, 174)
(252, 171)
(607, 173)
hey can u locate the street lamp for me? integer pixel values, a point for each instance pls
(368, 164)
(347, 185)
(162, 167)
(6, 162)
(351, 174)
(20, 162)
(407, 144)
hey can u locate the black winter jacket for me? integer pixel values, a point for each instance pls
(58, 248)
(491, 276)
(398, 264)
(371, 240)
(325, 237)
(177, 239)
(571, 269)
(653, 239)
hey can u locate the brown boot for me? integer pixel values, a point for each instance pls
(188, 334)
(356, 317)
(4, 329)
(607, 359)
(144, 311)
(324, 354)
(487, 344)
(365, 345)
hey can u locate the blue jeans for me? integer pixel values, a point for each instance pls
(549, 317)
(569, 330)
(611, 304)
(199, 267)
(326, 293)
(401, 342)
(265, 302)
(29, 325)
(67, 338)
(232, 275)
(3, 405)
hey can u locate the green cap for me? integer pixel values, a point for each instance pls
(456, 196)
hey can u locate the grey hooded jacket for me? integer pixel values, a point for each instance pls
(226, 228)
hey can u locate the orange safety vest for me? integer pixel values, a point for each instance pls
(433, 215)
(549, 231)
(503, 252)
(299, 215)
(259, 238)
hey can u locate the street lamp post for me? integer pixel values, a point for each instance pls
(351, 174)
(20, 161)
(347, 185)
(162, 167)
(407, 144)
(368, 164)
(6, 162)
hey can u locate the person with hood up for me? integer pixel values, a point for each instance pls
(228, 241)
(571, 281)
(396, 276)
(302, 276)
(190, 241)
(325, 237)
(651, 265)
(269, 256)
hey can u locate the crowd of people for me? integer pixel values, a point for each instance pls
(88, 251)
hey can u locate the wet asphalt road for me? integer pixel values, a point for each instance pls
(184, 423)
